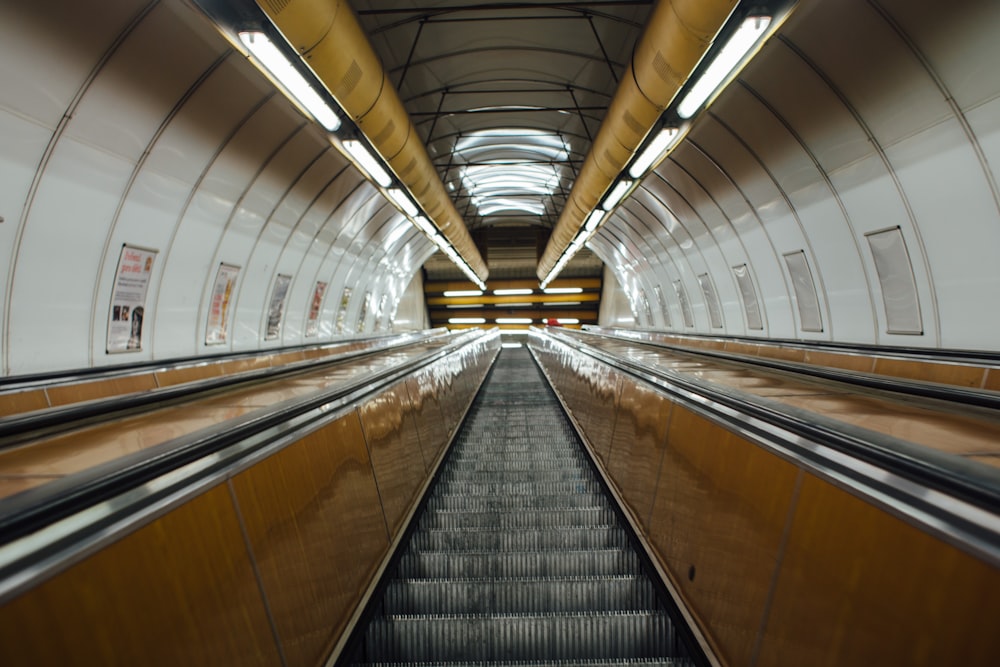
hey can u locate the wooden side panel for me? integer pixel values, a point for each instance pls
(953, 374)
(395, 453)
(721, 507)
(179, 591)
(640, 438)
(851, 362)
(66, 394)
(427, 414)
(605, 407)
(861, 587)
(992, 381)
(14, 403)
(175, 376)
(316, 529)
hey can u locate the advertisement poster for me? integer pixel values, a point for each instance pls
(345, 301)
(128, 300)
(364, 311)
(312, 323)
(380, 312)
(277, 308)
(218, 308)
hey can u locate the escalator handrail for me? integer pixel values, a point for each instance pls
(966, 396)
(957, 499)
(27, 512)
(17, 429)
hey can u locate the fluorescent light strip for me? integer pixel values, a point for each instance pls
(616, 194)
(368, 162)
(466, 320)
(664, 140)
(293, 83)
(744, 39)
(513, 320)
(594, 219)
(404, 201)
(563, 290)
(463, 292)
(511, 345)
(512, 292)
(567, 320)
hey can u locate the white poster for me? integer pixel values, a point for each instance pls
(216, 331)
(345, 300)
(312, 323)
(128, 300)
(364, 311)
(277, 308)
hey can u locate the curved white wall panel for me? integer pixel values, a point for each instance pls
(136, 123)
(857, 117)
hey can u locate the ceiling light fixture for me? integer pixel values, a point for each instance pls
(367, 162)
(403, 201)
(617, 194)
(512, 292)
(563, 290)
(463, 292)
(742, 41)
(284, 73)
(656, 149)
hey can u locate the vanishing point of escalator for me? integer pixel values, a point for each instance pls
(518, 557)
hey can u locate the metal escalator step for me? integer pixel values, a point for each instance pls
(521, 636)
(508, 500)
(453, 491)
(522, 519)
(510, 466)
(591, 537)
(555, 563)
(626, 662)
(519, 595)
(528, 475)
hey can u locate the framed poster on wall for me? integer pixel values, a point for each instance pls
(345, 300)
(128, 299)
(216, 330)
(276, 309)
(312, 322)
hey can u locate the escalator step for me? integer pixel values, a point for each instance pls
(518, 595)
(521, 636)
(556, 563)
(483, 539)
(576, 517)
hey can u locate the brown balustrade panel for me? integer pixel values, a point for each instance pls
(960, 375)
(777, 566)
(16, 402)
(721, 507)
(638, 443)
(395, 453)
(858, 586)
(65, 394)
(180, 590)
(316, 530)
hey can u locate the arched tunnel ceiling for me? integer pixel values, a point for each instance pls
(842, 188)
(508, 98)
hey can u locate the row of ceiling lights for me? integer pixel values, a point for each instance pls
(270, 59)
(512, 320)
(515, 291)
(724, 66)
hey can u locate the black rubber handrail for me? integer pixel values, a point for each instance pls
(974, 483)
(18, 429)
(983, 398)
(47, 379)
(975, 357)
(32, 510)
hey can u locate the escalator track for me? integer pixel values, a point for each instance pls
(519, 556)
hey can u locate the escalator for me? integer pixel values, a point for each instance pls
(518, 556)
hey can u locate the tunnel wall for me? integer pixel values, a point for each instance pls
(774, 563)
(843, 188)
(136, 124)
(263, 564)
